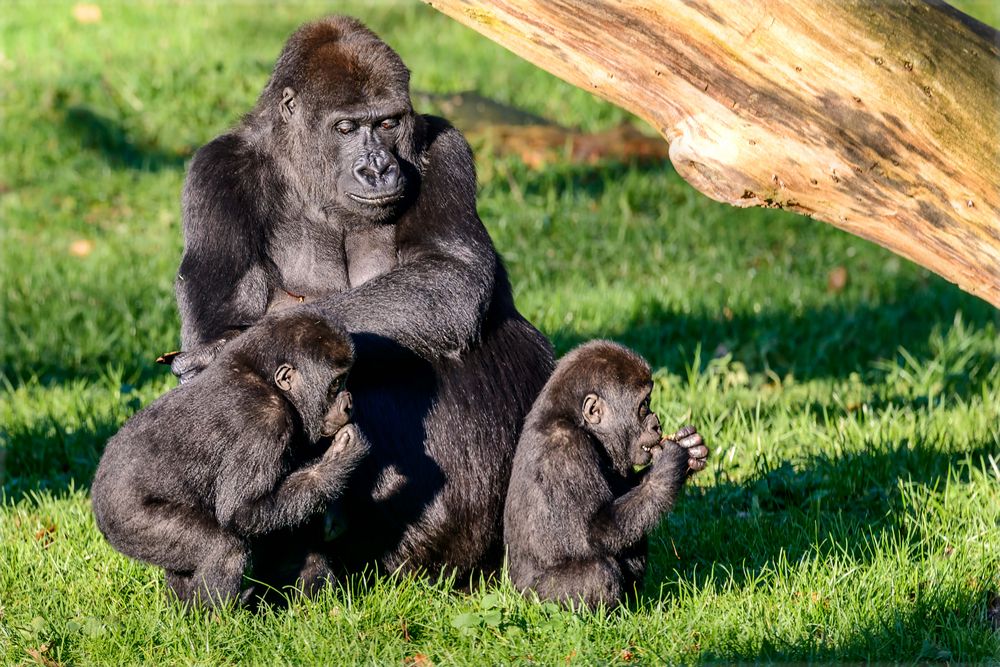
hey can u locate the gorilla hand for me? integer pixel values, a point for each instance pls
(185, 365)
(689, 439)
(348, 447)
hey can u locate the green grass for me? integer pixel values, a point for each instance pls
(851, 507)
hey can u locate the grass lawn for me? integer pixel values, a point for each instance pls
(850, 510)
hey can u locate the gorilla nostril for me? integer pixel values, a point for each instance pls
(365, 174)
(383, 163)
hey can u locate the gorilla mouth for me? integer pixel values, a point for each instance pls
(378, 200)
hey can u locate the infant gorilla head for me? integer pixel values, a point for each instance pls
(611, 386)
(308, 360)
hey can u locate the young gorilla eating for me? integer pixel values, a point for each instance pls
(577, 513)
(190, 481)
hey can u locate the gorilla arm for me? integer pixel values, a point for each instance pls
(622, 523)
(222, 284)
(255, 495)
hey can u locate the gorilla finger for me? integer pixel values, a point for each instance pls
(682, 433)
(182, 364)
(344, 436)
(696, 464)
(699, 452)
(188, 364)
(691, 441)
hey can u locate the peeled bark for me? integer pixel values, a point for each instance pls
(881, 118)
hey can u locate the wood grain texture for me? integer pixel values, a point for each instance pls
(881, 118)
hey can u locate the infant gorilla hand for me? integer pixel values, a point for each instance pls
(690, 443)
(347, 450)
(348, 446)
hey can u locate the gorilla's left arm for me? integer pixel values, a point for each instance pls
(434, 301)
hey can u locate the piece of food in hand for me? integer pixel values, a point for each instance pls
(167, 357)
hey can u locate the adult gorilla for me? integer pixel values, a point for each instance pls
(333, 192)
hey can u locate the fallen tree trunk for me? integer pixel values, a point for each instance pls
(881, 118)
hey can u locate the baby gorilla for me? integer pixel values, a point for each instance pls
(577, 513)
(237, 453)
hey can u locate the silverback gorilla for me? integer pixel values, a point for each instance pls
(577, 513)
(333, 194)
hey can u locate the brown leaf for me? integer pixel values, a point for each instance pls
(418, 660)
(46, 535)
(86, 12)
(38, 655)
(836, 281)
(627, 655)
(81, 247)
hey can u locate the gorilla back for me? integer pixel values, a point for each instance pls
(334, 193)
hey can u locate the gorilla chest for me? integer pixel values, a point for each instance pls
(314, 261)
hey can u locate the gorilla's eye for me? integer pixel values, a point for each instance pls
(335, 386)
(345, 126)
(644, 408)
(389, 123)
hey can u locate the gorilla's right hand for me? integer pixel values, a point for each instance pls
(186, 365)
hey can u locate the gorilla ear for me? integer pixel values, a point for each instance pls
(288, 104)
(593, 409)
(283, 377)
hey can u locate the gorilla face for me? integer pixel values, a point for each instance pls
(350, 131)
(621, 419)
(370, 179)
(354, 157)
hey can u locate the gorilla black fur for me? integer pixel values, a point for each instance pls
(333, 193)
(191, 481)
(577, 513)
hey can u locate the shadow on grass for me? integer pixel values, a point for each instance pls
(834, 507)
(828, 341)
(46, 456)
(112, 141)
(942, 624)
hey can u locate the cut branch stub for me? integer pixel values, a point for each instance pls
(880, 118)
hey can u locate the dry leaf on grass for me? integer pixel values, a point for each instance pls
(86, 12)
(46, 535)
(81, 247)
(836, 281)
(38, 655)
